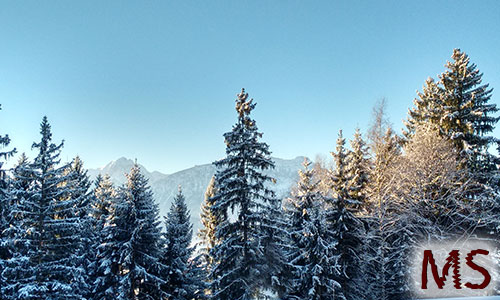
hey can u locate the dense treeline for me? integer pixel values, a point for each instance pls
(344, 233)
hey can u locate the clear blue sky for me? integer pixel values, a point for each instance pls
(156, 80)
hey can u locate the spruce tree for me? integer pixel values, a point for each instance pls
(207, 237)
(5, 205)
(468, 117)
(339, 177)
(80, 192)
(311, 261)
(178, 234)
(103, 201)
(243, 191)
(273, 242)
(108, 239)
(427, 107)
(13, 270)
(358, 169)
(345, 227)
(136, 240)
(460, 107)
(209, 221)
(51, 229)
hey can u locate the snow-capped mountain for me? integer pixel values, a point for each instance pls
(194, 182)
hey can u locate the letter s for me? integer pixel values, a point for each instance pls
(483, 271)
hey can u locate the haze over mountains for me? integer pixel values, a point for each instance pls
(194, 181)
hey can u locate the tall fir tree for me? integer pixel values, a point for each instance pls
(108, 239)
(178, 235)
(311, 262)
(427, 107)
(358, 170)
(103, 201)
(13, 269)
(345, 227)
(136, 240)
(51, 229)
(339, 178)
(5, 206)
(80, 192)
(209, 223)
(460, 106)
(207, 237)
(242, 190)
(273, 242)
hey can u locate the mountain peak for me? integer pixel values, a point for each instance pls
(121, 162)
(194, 182)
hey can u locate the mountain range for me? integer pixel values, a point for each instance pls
(194, 182)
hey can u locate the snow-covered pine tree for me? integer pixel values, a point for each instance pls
(358, 169)
(427, 107)
(242, 191)
(311, 262)
(80, 192)
(273, 242)
(178, 235)
(7, 214)
(460, 107)
(340, 181)
(51, 229)
(207, 237)
(209, 221)
(103, 201)
(15, 268)
(468, 115)
(5, 205)
(109, 238)
(345, 227)
(137, 240)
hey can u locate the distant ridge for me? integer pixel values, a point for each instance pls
(194, 181)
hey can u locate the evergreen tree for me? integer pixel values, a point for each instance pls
(103, 201)
(209, 221)
(178, 234)
(80, 193)
(273, 242)
(5, 206)
(345, 227)
(339, 177)
(12, 271)
(51, 229)
(310, 256)
(427, 107)
(138, 240)
(242, 190)
(460, 107)
(207, 237)
(358, 169)
(106, 284)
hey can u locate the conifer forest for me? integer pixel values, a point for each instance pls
(345, 232)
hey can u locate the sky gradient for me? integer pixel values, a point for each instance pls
(156, 80)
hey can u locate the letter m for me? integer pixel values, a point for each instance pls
(453, 261)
